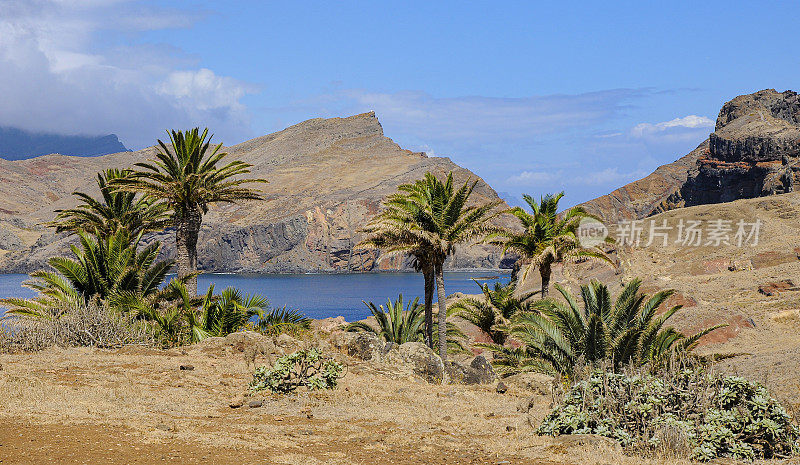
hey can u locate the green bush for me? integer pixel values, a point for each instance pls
(303, 368)
(712, 416)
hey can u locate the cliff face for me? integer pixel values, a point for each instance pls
(327, 178)
(754, 151)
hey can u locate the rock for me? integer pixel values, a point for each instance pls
(538, 383)
(483, 369)
(415, 358)
(564, 444)
(462, 374)
(163, 427)
(510, 428)
(776, 287)
(187, 367)
(236, 403)
(286, 342)
(255, 403)
(328, 325)
(363, 345)
(501, 388)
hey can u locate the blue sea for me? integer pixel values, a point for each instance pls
(316, 295)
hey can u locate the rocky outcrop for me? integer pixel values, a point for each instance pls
(754, 151)
(327, 178)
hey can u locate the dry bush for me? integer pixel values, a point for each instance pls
(681, 410)
(90, 325)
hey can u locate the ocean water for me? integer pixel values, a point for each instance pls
(316, 295)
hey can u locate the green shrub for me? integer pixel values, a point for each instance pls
(303, 368)
(714, 416)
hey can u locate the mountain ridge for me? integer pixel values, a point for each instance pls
(327, 178)
(754, 151)
(19, 144)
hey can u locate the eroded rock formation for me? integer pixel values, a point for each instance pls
(754, 151)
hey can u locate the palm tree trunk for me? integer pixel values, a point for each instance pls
(544, 272)
(442, 312)
(427, 273)
(187, 228)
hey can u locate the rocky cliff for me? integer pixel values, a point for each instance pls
(326, 177)
(754, 151)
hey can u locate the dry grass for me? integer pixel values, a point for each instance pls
(373, 417)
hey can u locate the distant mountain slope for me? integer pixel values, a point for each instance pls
(326, 177)
(18, 144)
(754, 151)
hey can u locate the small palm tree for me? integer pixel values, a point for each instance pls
(494, 310)
(394, 325)
(186, 177)
(399, 326)
(629, 330)
(114, 211)
(547, 238)
(275, 321)
(103, 268)
(428, 218)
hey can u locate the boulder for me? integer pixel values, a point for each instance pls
(418, 359)
(538, 383)
(328, 325)
(483, 369)
(361, 345)
(475, 373)
(286, 342)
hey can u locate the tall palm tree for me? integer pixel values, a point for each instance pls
(103, 268)
(433, 217)
(186, 176)
(629, 330)
(387, 233)
(494, 310)
(113, 211)
(547, 237)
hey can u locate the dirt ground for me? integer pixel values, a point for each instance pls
(135, 405)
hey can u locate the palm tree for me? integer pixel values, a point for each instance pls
(280, 320)
(103, 268)
(430, 217)
(115, 210)
(187, 178)
(399, 326)
(386, 232)
(494, 310)
(393, 324)
(547, 237)
(558, 335)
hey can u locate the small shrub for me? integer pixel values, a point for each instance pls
(303, 368)
(689, 409)
(82, 325)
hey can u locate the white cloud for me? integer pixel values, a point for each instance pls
(58, 77)
(530, 178)
(687, 122)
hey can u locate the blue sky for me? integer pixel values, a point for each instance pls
(535, 97)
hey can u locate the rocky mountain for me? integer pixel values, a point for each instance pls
(754, 151)
(18, 144)
(326, 177)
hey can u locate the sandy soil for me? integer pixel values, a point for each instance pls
(135, 405)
